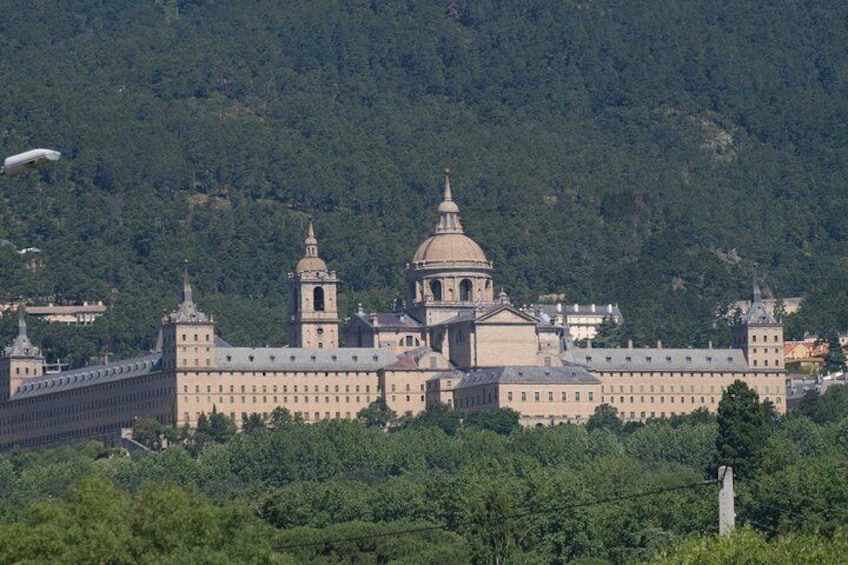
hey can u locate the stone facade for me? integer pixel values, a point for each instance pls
(452, 341)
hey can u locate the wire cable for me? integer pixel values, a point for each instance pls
(512, 516)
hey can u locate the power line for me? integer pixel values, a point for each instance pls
(522, 514)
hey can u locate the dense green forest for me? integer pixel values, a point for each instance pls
(654, 155)
(440, 491)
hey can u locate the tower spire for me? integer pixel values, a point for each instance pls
(311, 242)
(22, 327)
(187, 293)
(448, 211)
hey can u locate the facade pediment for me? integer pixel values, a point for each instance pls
(506, 314)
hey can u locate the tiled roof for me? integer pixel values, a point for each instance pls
(566, 374)
(653, 359)
(88, 376)
(389, 320)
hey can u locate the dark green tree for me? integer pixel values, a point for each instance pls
(502, 421)
(605, 417)
(221, 428)
(608, 335)
(742, 429)
(280, 418)
(834, 360)
(252, 423)
(148, 432)
(440, 415)
(377, 414)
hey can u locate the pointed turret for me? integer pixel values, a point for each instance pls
(186, 337)
(757, 313)
(760, 335)
(22, 347)
(22, 360)
(187, 311)
(449, 221)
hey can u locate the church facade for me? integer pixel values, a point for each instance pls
(453, 340)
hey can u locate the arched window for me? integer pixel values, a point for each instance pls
(465, 292)
(436, 289)
(295, 300)
(318, 299)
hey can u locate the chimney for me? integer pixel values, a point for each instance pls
(710, 344)
(629, 344)
(609, 308)
(588, 344)
(576, 308)
(659, 344)
(593, 308)
(559, 307)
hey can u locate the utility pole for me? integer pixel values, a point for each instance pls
(726, 511)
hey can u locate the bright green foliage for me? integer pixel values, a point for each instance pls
(750, 547)
(531, 496)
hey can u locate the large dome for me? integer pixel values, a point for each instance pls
(449, 249)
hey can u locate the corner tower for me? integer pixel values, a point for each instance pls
(21, 361)
(314, 320)
(449, 273)
(188, 335)
(760, 336)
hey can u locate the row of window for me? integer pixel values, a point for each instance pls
(675, 374)
(111, 430)
(296, 399)
(25, 423)
(286, 388)
(488, 398)
(305, 416)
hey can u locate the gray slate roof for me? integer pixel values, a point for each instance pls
(653, 359)
(567, 374)
(390, 320)
(89, 376)
(302, 359)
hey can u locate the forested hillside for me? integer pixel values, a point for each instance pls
(650, 154)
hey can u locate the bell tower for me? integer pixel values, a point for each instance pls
(21, 361)
(188, 335)
(760, 336)
(314, 320)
